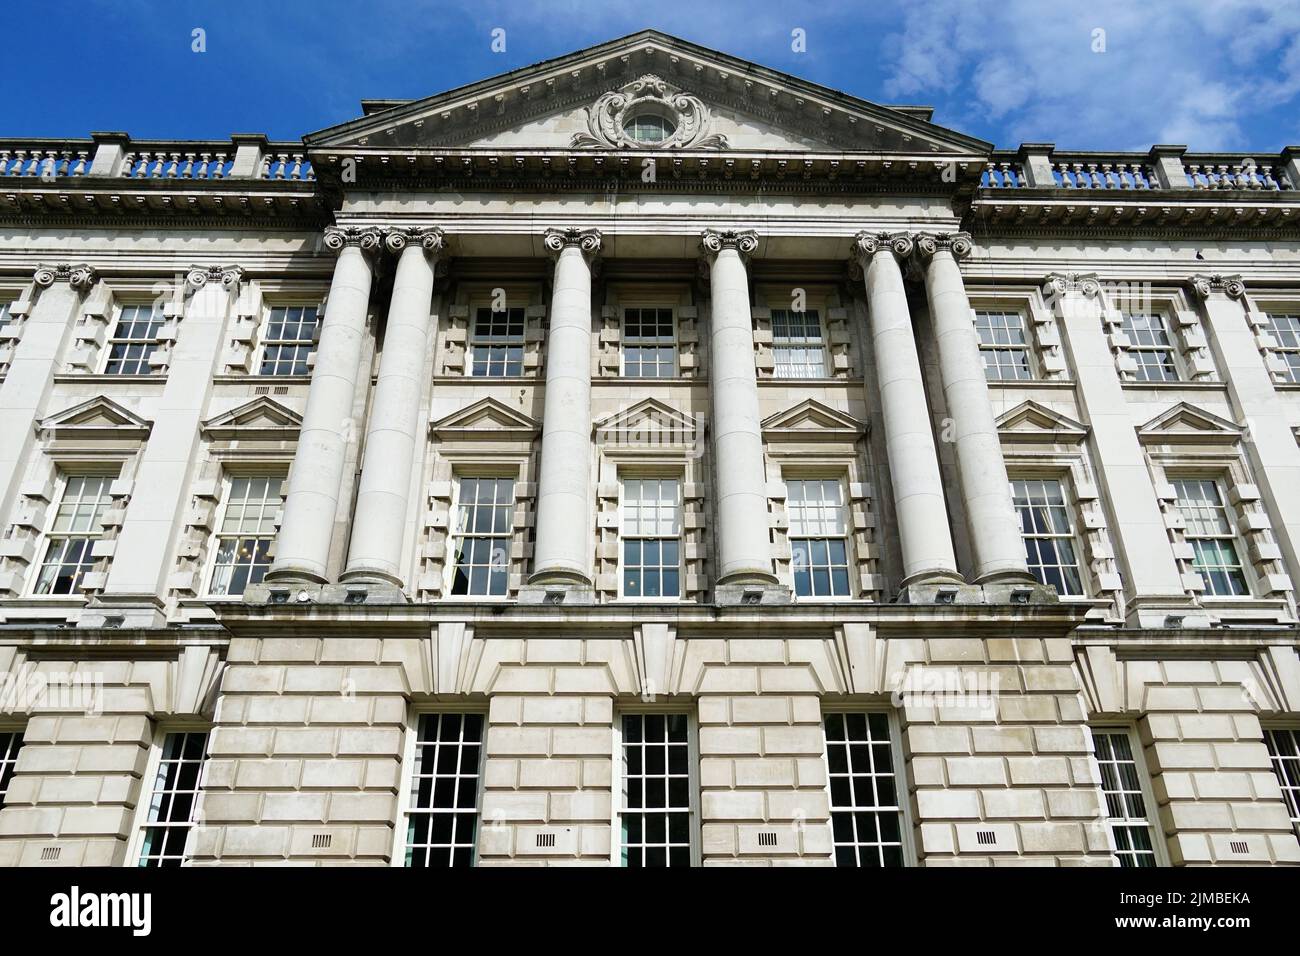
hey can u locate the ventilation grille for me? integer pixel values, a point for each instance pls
(767, 839)
(321, 841)
(261, 389)
(546, 839)
(986, 837)
(51, 852)
(1238, 846)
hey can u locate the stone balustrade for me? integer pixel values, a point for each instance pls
(1041, 166)
(113, 155)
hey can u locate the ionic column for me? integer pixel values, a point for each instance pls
(303, 544)
(923, 531)
(380, 519)
(563, 549)
(999, 551)
(744, 544)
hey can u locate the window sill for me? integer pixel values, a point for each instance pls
(100, 378)
(1033, 383)
(262, 379)
(1174, 386)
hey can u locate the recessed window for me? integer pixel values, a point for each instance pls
(819, 548)
(482, 529)
(72, 534)
(134, 338)
(173, 799)
(649, 343)
(496, 343)
(1126, 806)
(651, 538)
(245, 533)
(649, 128)
(288, 340)
(1151, 346)
(798, 348)
(1284, 752)
(656, 816)
(1004, 346)
(442, 811)
(1210, 532)
(11, 742)
(1286, 336)
(866, 816)
(1048, 532)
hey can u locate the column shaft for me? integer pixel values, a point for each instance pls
(999, 550)
(923, 531)
(563, 549)
(302, 547)
(744, 542)
(380, 521)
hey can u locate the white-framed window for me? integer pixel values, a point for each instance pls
(798, 344)
(867, 792)
(134, 338)
(819, 545)
(11, 741)
(72, 533)
(288, 339)
(651, 533)
(245, 532)
(445, 757)
(1151, 346)
(1285, 327)
(649, 340)
(1004, 345)
(1283, 752)
(658, 816)
(1211, 532)
(496, 343)
(1047, 527)
(482, 527)
(171, 808)
(1124, 789)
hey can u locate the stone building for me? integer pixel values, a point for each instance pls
(646, 457)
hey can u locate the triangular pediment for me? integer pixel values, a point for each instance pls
(649, 423)
(1185, 422)
(810, 419)
(581, 101)
(485, 419)
(1030, 421)
(98, 417)
(262, 418)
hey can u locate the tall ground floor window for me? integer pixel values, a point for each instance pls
(443, 805)
(657, 814)
(1126, 804)
(866, 796)
(173, 798)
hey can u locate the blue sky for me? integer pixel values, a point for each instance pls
(1211, 74)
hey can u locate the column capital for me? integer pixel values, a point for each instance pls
(957, 243)
(1206, 285)
(588, 240)
(866, 244)
(713, 241)
(228, 277)
(366, 238)
(81, 277)
(431, 240)
(1062, 282)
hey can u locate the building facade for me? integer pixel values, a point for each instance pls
(647, 458)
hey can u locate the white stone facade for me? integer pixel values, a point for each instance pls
(647, 395)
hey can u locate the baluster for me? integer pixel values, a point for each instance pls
(170, 168)
(80, 168)
(265, 171)
(219, 169)
(1111, 176)
(281, 161)
(1081, 180)
(146, 165)
(4, 162)
(1270, 181)
(1225, 176)
(295, 173)
(21, 166)
(187, 169)
(311, 171)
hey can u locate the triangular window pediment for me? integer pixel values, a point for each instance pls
(647, 424)
(1032, 421)
(485, 418)
(262, 418)
(1186, 423)
(99, 417)
(812, 420)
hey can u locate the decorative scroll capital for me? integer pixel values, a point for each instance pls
(744, 241)
(80, 277)
(588, 240)
(1086, 283)
(228, 277)
(1205, 285)
(959, 244)
(431, 240)
(367, 238)
(866, 244)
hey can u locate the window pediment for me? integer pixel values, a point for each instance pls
(99, 418)
(810, 420)
(260, 419)
(1186, 423)
(649, 425)
(485, 419)
(1030, 421)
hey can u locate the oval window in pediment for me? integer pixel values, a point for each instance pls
(649, 128)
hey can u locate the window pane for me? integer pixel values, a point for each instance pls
(483, 528)
(173, 799)
(651, 537)
(1125, 804)
(1048, 531)
(818, 537)
(866, 819)
(656, 819)
(289, 338)
(442, 818)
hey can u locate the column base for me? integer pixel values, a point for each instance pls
(294, 575)
(1015, 578)
(299, 594)
(760, 593)
(123, 611)
(1164, 610)
(956, 592)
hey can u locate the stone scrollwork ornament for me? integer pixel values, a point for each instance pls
(1231, 286)
(608, 118)
(588, 240)
(80, 277)
(366, 239)
(866, 244)
(1060, 283)
(228, 277)
(744, 241)
(430, 240)
(957, 243)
